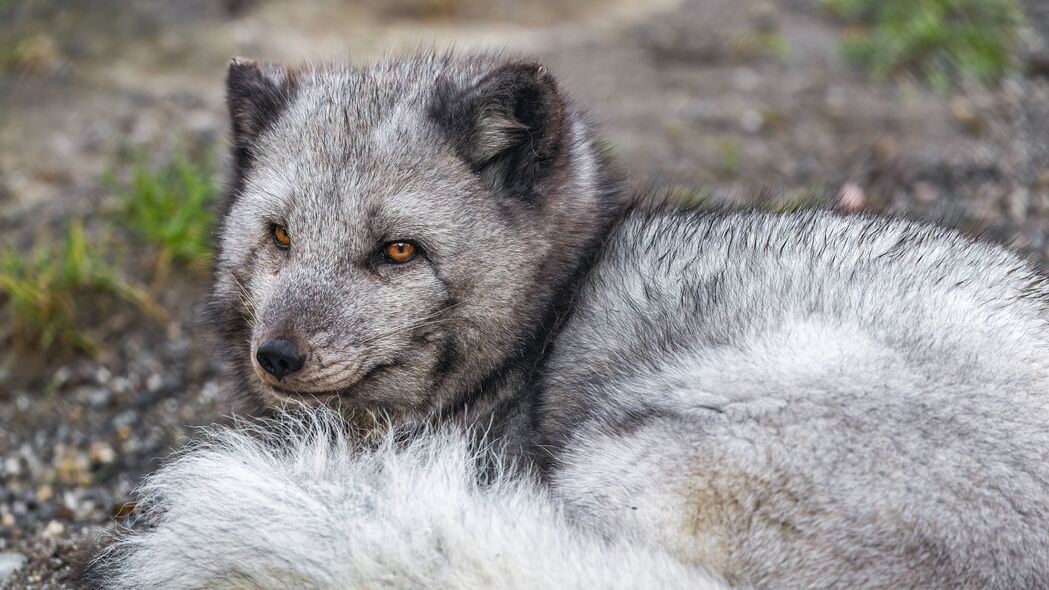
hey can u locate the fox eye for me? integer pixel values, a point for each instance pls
(280, 236)
(399, 252)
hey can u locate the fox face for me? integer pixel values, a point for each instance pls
(396, 237)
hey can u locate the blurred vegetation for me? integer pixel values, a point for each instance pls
(759, 44)
(43, 293)
(53, 295)
(38, 53)
(939, 40)
(170, 207)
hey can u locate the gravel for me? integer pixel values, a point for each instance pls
(680, 104)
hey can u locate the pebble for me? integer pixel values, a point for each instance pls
(61, 376)
(965, 113)
(102, 453)
(851, 198)
(12, 467)
(10, 563)
(96, 397)
(54, 529)
(73, 467)
(121, 385)
(103, 375)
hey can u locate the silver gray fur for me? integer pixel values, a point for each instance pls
(810, 401)
(792, 401)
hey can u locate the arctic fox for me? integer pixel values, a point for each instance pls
(437, 244)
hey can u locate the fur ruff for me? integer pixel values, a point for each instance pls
(296, 502)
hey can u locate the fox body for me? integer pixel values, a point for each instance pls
(799, 400)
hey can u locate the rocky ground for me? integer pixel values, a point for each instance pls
(729, 102)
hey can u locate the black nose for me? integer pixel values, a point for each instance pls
(279, 357)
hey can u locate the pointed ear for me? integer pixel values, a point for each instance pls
(256, 93)
(510, 126)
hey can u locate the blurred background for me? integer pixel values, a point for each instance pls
(112, 157)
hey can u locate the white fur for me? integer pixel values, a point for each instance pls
(315, 510)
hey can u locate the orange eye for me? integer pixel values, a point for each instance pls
(281, 237)
(399, 252)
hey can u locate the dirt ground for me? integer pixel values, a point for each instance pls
(685, 97)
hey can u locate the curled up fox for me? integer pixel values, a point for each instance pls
(486, 365)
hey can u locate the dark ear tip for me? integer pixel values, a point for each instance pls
(240, 65)
(528, 69)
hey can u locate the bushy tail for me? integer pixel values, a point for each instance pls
(294, 503)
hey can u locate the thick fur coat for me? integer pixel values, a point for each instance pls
(296, 503)
(810, 401)
(582, 393)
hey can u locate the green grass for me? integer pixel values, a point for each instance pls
(52, 297)
(940, 40)
(170, 207)
(41, 292)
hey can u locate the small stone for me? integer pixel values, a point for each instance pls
(153, 382)
(102, 453)
(7, 520)
(966, 115)
(54, 529)
(96, 397)
(10, 563)
(70, 501)
(102, 376)
(74, 467)
(61, 376)
(851, 198)
(44, 493)
(12, 467)
(86, 510)
(121, 385)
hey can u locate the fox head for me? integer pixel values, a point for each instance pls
(395, 237)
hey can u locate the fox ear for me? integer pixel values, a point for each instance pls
(256, 92)
(509, 126)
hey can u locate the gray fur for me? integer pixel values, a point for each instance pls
(361, 157)
(297, 503)
(810, 401)
(798, 400)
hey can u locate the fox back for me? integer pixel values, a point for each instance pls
(809, 401)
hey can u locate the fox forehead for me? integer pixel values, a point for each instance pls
(322, 136)
(345, 111)
(331, 156)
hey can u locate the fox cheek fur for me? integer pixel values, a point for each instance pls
(487, 168)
